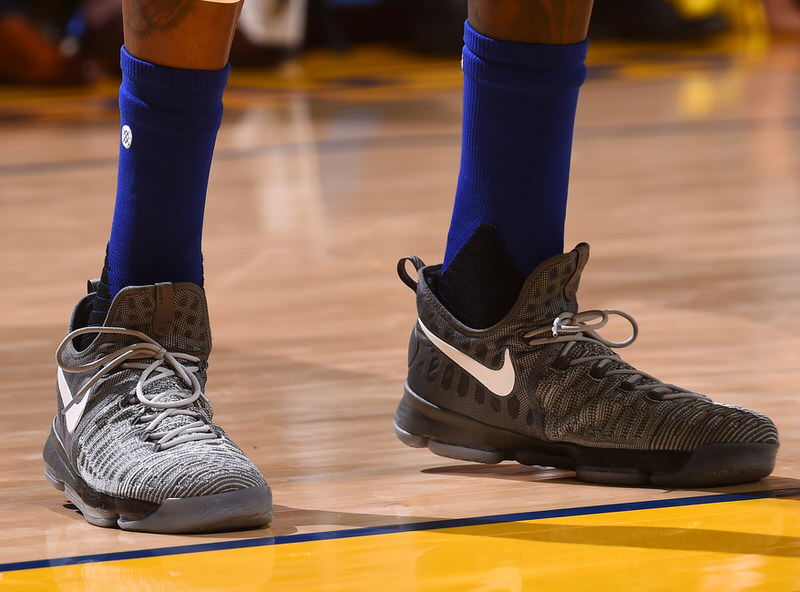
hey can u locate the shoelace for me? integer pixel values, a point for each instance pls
(573, 328)
(157, 406)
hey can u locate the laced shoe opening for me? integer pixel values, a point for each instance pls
(168, 388)
(569, 330)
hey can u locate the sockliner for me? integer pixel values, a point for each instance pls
(481, 283)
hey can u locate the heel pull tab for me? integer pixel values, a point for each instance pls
(162, 316)
(401, 270)
(92, 285)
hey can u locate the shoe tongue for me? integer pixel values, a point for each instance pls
(175, 315)
(551, 288)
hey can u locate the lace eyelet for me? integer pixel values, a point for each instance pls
(597, 373)
(124, 402)
(561, 363)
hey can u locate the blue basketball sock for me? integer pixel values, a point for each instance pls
(519, 114)
(169, 121)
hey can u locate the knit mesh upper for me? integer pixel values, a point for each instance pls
(109, 447)
(553, 400)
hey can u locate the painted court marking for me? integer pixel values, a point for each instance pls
(408, 527)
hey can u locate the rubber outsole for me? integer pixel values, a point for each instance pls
(231, 510)
(420, 424)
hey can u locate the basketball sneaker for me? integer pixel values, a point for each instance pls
(133, 443)
(542, 387)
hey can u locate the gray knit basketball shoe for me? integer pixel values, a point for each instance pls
(543, 388)
(133, 443)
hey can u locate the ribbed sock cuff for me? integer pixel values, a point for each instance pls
(533, 66)
(162, 86)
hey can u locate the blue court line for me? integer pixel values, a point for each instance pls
(407, 527)
(582, 133)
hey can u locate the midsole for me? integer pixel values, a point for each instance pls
(422, 418)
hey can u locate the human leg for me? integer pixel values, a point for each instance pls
(134, 444)
(174, 66)
(536, 382)
(523, 66)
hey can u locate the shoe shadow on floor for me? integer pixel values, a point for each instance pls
(289, 520)
(784, 487)
(325, 524)
(512, 471)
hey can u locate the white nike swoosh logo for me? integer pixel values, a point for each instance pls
(73, 414)
(500, 382)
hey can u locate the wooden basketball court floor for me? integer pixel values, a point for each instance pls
(686, 181)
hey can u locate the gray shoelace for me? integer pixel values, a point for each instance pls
(570, 329)
(155, 364)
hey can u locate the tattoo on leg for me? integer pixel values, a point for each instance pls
(148, 16)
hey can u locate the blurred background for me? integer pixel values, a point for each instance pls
(73, 42)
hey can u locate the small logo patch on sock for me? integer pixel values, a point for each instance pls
(126, 136)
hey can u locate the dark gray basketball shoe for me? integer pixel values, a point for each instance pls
(133, 443)
(542, 387)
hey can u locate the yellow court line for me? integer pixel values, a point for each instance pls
(730, 546)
